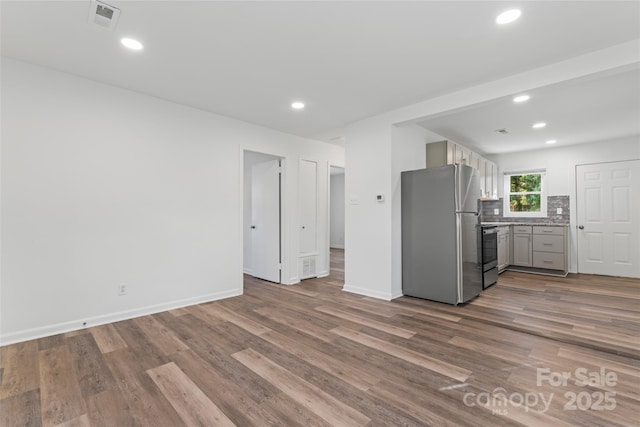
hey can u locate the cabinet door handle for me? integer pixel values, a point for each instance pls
(547, 244)
(547, 262)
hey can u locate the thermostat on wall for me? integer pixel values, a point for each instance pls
(379, 197)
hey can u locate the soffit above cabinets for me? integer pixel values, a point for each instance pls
(598, 108)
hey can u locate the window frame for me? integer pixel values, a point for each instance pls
(507, 193)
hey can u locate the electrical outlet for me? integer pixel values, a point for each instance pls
(122, 289)
(559, 211)
(496, 211)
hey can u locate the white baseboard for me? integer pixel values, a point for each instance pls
(398, 295)
(323, 274)
(74, 325)
(369, 293)
(292, 281)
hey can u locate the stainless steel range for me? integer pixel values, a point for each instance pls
(489, 251)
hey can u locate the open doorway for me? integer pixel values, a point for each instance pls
(262, 216)
(336, 225)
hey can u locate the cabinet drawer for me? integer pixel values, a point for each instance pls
(522, 229)
(548, 243)
(551, 260)
(502, 230)
(557, 231)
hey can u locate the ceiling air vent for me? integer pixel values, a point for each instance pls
(103, 15)
(502, 131)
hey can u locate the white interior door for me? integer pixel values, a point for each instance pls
(265, 220)
(608, 213)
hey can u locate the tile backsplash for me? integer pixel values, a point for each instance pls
(553, 202)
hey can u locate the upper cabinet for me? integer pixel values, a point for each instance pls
(441, 153)
(447, 153)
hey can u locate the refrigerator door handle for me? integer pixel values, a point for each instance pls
(459, 280)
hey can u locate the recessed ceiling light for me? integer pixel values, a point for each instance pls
(508, 16)
(539, 125)
(297, 105)
(551, 141)
(521, 98)
(131, 43)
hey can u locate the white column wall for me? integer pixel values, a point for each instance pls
(408, 153)
(367, 222)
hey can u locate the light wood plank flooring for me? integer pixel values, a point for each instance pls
(313, 355)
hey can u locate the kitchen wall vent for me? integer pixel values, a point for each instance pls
(103, 14)
(308, 267)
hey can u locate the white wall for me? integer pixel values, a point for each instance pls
(336, 211)
(102, 185)
(367, 222)
(408, 152)
(560, 164)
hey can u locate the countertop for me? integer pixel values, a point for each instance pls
(544, 224)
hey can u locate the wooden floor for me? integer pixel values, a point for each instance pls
(313, 355)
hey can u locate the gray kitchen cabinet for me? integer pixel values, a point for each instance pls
(504, 246)
(550, 248)
(447, 153)
(441, 153)
(462, 155)
(474, 160)
(541, 249)
(494, 181)
(522, 254)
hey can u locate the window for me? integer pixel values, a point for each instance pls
(524, 194)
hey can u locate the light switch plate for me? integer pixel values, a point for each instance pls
(559, 211)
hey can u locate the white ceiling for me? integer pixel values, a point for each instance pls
(345, 60)
(598, 108)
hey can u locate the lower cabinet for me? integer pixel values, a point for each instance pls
(549, 248)
(504, 247)
(540, 249)
(522, 254)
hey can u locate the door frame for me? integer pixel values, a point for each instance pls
(575, 203)
(329, 166)
(284, 247)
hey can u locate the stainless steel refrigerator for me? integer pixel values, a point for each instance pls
(440, 258)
